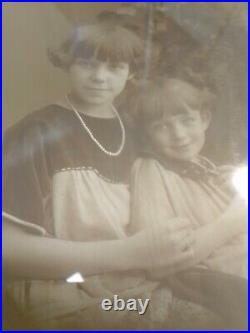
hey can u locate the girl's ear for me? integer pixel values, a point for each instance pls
(206, 118)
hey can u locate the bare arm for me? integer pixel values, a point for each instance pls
(210, 237)
(29, 256)
(26, 255)
(214, 235)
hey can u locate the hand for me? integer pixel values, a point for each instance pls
(164, 246)
(237, 214)
(226, 171)
(212, 236)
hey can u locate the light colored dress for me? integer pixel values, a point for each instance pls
(57, 179)
(163, 190)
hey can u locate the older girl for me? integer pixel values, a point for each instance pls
(66, 198)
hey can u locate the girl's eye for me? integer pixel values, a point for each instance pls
(189, 120)
(116, 66)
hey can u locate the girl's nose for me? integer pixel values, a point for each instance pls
(99, 73)
(178, 132)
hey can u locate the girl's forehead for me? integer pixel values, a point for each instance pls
(172, 117)
(184, 111)
(182, 93)
(182, 102)
(96, 59)
(174, 96)
(171, 114)
(178, 114)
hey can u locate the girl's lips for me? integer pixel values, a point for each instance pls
(181, 146)
(96, 89)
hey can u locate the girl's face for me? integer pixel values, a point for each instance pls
(181, 135)
(98, 82)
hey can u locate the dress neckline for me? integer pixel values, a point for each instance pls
(87, 116)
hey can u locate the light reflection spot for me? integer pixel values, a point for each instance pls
(75, 278)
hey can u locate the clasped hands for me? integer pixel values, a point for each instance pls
(165, 248)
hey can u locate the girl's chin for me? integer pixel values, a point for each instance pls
(183, 154)
(182, 157)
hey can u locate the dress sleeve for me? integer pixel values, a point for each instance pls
(26, 180)
(150, 198)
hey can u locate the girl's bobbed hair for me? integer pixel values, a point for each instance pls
(104, 41)
(152, 98)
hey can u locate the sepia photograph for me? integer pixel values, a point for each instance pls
(125, 166)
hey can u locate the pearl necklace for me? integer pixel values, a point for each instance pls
(99, 145)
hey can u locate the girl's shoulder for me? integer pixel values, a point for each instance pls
(149, 166)
(48, 114)
(144, 162)
(38, 122)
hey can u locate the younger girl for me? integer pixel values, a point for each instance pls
(172, 179)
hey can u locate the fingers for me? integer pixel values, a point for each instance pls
(181, 261)
(173, 258)
(172, 241)
(179, 224)
(183, 237)
(184, 256)
(166, 247)
(188, 242)
(184, 241)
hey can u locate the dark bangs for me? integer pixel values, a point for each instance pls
(169, 96)
(108, 43)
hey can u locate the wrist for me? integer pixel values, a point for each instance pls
(139, 252)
